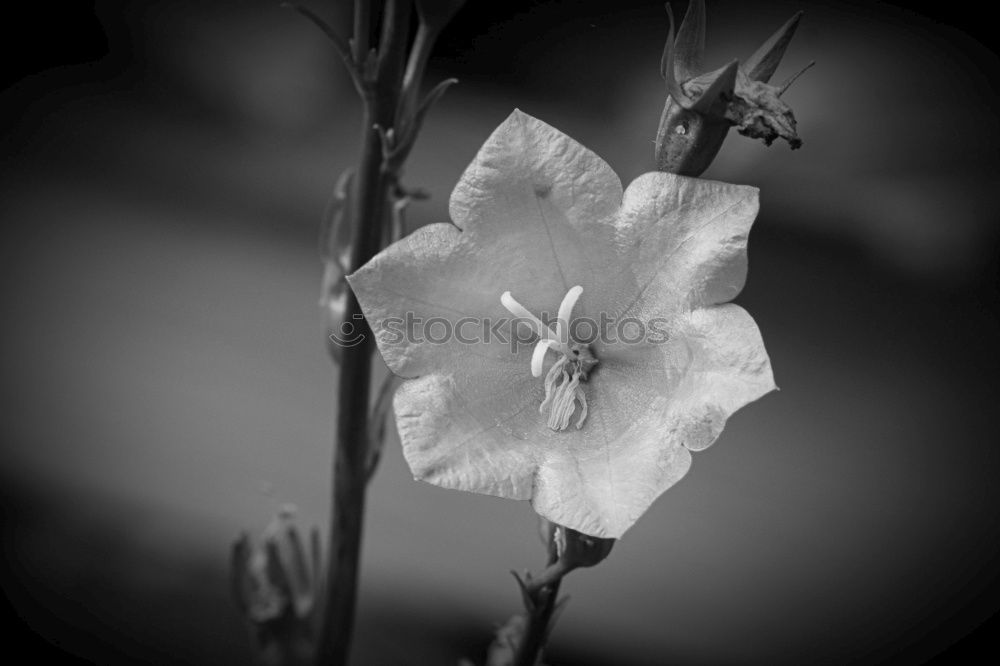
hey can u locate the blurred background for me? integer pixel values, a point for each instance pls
(165, 385)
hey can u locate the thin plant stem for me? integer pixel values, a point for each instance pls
(539, 626)
(351, 438)
(373, 188)
(543, 595)
(422, 45)
(362, 28)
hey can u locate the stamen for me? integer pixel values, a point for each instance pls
(562, 392)
(538, 357)
(562, 382)
(550, 380)
(565, 310)
(518, 310)
(582, 399)
(565, 402)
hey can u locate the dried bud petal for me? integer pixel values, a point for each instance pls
(757, 111)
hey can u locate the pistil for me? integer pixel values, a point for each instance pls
(562, 383)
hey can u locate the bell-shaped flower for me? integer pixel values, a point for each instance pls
(589, 425)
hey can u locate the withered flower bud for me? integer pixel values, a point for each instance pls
(701, 107)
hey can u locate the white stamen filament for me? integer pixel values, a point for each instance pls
(565, 310)
(565, 402)
(538, 357)
(518, 310)
(562, 383)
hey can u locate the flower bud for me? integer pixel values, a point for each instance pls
(277, 587)
(503, 649)
(576, 549)
(700, 108)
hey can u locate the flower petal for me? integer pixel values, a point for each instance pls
(652, 407)
(604, 497)
(687, 241)
(535, 196)
(535, 215)
(525, 159)
(534, 207)
(729, 368)
(471, 433)
(429, 298)
(603, 479)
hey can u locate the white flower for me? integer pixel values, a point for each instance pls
(541, 224)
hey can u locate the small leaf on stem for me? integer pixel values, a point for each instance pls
(529, 602)
(343, 47)
(335, 247)
(335, 228)
(380, 420)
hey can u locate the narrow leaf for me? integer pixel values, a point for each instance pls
(380, 419)
(529, 603)
(433, 96)
(557, 610)
(342, 46)
(429, 100)
(335, 239)
(335, 228)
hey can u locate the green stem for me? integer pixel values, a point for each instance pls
(423, 44)
(351, 439)
(529, 652)
(362, 29)
(350, 452)
(543, 593)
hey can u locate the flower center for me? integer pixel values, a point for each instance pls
(562, 383)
